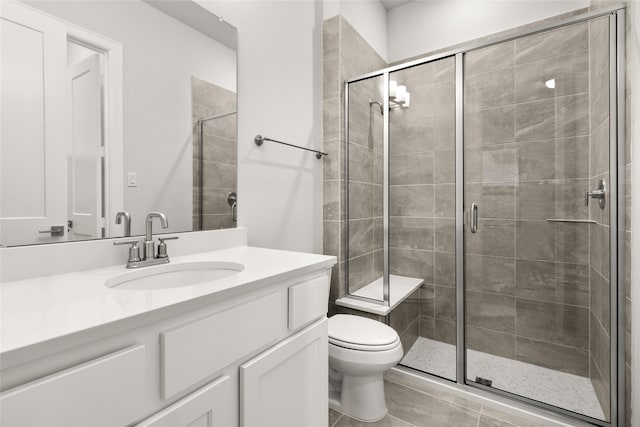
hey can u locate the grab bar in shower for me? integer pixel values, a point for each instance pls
(576, 221)
(259, 140)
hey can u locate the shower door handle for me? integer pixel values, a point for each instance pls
(474, 217)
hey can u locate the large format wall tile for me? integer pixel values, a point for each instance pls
(410, 169)
(411, 200)
(570, 74)
(494, 237)
(411, 233)
(553, 356)
(552, 322)
(552, 43)
(490, 163)
(489, 126)
(360, 200)
(536, 160)
(491, 274)
(536, 120)
(411, 263)
(490, 58)
(553, 281)
(491, 311)
(360, 163)
(572, 157)
(360, 237)
(444, 236)
(491, 342)
(572, 115)
(360, 271)
(488, 90)
(413, 137)
(444, 200)
(495, 200)
(444, 272)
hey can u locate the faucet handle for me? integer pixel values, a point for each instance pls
(162, 246)
(134, 250)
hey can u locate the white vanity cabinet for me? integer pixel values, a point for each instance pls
(287, 385)
(257, 358)
(211, 406)
(103, 392)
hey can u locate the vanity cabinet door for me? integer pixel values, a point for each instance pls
(211, 406)
(287, 385)
(108, 391)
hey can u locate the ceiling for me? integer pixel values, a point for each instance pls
(391, 4)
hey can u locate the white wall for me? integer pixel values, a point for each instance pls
(424, 26)
(279, 96)
(369, 18)
(160, 55)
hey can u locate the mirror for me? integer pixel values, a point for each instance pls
(111, 107)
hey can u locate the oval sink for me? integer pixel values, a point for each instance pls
(174, 275)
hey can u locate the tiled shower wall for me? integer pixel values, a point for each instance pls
(422, 193)
(346, 54)
(365, 235)
(220, 158)
(527, 161)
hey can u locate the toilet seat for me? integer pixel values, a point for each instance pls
(361, 333)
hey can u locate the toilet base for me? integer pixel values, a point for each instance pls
(361, 398)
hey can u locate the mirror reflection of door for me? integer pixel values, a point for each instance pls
(85, 160)
(54, 181)
(33, 178)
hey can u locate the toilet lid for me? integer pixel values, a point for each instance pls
(361, 333)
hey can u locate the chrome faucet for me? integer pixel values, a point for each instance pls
(127, 222)
(149, 247)
(148, 256)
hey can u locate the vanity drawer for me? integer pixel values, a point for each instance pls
(192, 352)
(84, 395)
(308, 301)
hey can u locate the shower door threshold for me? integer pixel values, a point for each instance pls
(400, 287)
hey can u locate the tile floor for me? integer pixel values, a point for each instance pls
(408, 406)
(568, 391)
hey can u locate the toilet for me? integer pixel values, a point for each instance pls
(360, 350)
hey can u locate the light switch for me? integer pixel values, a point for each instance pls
(132, 179)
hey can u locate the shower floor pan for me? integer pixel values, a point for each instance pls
(572, 392)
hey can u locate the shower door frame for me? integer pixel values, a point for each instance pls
(616, 194)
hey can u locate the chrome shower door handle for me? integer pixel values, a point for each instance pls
(474, 217)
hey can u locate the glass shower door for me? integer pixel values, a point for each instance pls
(422, 207)
(536, 256)
(364, 210)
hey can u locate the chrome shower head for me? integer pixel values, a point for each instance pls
(379, 104)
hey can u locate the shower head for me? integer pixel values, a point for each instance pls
(379, 104)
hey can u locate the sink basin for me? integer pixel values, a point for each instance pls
(174, 275)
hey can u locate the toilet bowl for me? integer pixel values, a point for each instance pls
(360, 350)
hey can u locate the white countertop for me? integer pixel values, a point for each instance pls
(42, 309)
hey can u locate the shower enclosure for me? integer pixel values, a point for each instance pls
(490, 176)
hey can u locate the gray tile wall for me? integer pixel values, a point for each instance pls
(422, 193)
(346, 54)
(527, 160)
(219, 151)
(365, 255)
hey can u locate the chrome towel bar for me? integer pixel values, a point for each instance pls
(259, 140)
(578, 221)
